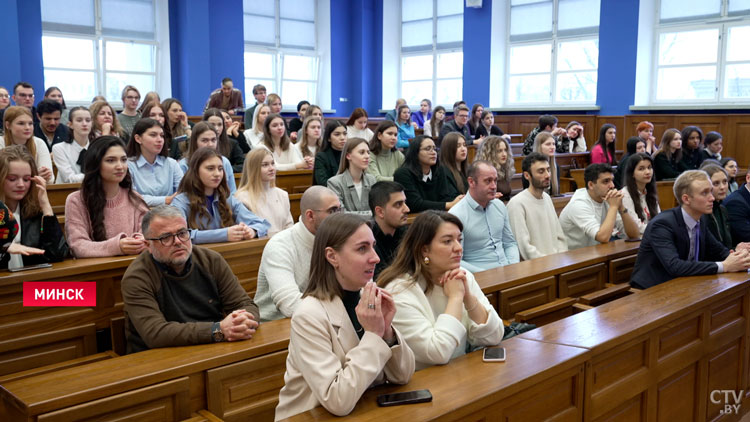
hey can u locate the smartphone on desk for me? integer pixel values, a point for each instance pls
(494, 354)
(407, 397)
(30, 267)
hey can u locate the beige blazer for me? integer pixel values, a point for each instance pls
(329, 365)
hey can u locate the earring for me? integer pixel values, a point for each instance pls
(426, 260)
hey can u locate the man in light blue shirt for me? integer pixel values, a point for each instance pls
(487, 238)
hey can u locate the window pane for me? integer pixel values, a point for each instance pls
(128, 17)
(688, 47)
(416, 67)
(69, 53)
(448, 91)
(115, 82)
(531, 19)
(259, 65)
(686, 83)
(450, 7)
(737, 81)
(529, 89)
(736, 47)
(259, 7)
(129, 57)
(250, 83)
(77, 86)
(578, 55)
(259, 30)
(300, 67)
(672, 9)
(294, 92)
(578, 14)
(530, 59)
(738, 5)
(297, 9)
(416, 33)
(416, 9)
(578, 86)
(450, 65)
(297, 34)
(413, 92)
(450, 29)
(70, 12)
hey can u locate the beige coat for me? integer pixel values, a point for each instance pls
(329, 365)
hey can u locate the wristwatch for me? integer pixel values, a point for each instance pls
(216, 333)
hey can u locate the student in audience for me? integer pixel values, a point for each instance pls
(254, 135)
(424, 115)
(98, 98)
(342, 341)
(296, 123)
(259, 193)
(433, 126)
(274, 101)
(475, 119)
(310, 140)
(226, 147)
(356, 126)
(177, 294)
(453, 159)
(645, 131)
(676, 243)
(532, 215)
(440, 309)
(668, 160)
(208, 206)
(204, 136)
(315, 111)
(392, 115)
(176, 147)
(692, 154)
(104, 217)
(234, 133)
(259, 92)
(50, 128)
(177, 120)
(19, 130)
(284, 271)
(23, 96)
(227, 98)
(634, 145)
(604, 149)
(155, 176)
(276, 140)
(487, 239)
(328, 159)
(738, 206)
(459, 124)
(129, 114)
(25, 194)
(105, 122)
(389, 221)
(639, 196)
(573, 139)
(405, 126)
(545, 144)
(4, 98)
(352, 183)
(385, 158)
(730, 165)
(718, 219)
(70, 154)
(713, 144)
(547, 123)
(422, 178)
(151, 97)
(8, 230)
(486, 126)
(496, 151)
(595, 214)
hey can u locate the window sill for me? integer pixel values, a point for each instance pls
(690, 107)
(547, 108)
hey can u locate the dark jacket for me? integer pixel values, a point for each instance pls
(236, 157)
(481, 131)
(692, 158)
(452, 185)
(420, 196)
(706, 155)
(326, 165)
(631, 145)
(663, 254)
(295, 124)
(453, 127)
(718, 224)
(386, 246)
(43, 233)
(738, 208)
(562, 143)
(62, 134)
(241, 141)
(665, 168)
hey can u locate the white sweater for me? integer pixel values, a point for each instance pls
(535, 225)
(629, 205)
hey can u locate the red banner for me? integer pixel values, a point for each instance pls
(59, 293)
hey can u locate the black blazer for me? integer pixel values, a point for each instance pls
(48, 237)
(421, 195)
(738, 208)
(326, 165)
(665, 247)
(481, 131)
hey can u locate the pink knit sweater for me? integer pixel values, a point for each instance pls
(122, 218)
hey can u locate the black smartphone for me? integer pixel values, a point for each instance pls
(30, 267)
(407, 397)
(494, 354)
(180, 138)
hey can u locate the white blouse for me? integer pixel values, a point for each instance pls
(286, 160)
(353, 132)
(66, 156)
(42, 158)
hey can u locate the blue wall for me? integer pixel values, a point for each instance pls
(21, 32)
(618, 46)
(477, 33)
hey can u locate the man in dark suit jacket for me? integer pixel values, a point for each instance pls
(459, 124)
(668, 247)
(738, 207)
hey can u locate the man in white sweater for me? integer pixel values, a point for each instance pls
(532, 214)
(285, 265)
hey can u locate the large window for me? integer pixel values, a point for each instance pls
(701, 52)
(96, 47)
(553, 52)
(431, 50)
(280, 49)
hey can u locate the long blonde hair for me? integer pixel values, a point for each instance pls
(542, 137)
(488, 151)
(251, 181)
(30, 203)
(11, 114)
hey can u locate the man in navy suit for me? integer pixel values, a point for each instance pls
(738, 206)
(677, 242)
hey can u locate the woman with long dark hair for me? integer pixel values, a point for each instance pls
(433, 126)
(227, 147)
(328, 158)
(719, 217)
(453, 159)
(640, 198)
(155, 176)
(384, 157)
(692, 147)
(201, 136)
(276, 140)
(668, 160)
(604, 148)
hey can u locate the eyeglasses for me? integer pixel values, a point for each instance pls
(168, 239)
(332, 210)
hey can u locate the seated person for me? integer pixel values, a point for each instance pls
(389, 214)
(385, 158)
(460, 124)
(254, 134)
(235, 134)
(104, 217)
(692, 148)
(227, 147)
(8, 231)
(259, 92)
(327, 160)
(285, 265)
(25, 194)
(676, 242)
(309, 139)
(342, 341)
(633, 145)
(639, 196)
(296, 123)
(573, 139)
(129, 115)
(405, 126)
(155, 176)
(496, 150)
(277, 141)
(177, 294)
(208, 206)
(603, 150)
(547, 123)
(730, 165)
(70, 154)
(488, 240)
(738, 207)
(440, 308)
(532, 214)
(453, 160)
(226, 98)
(424, 114)
(713, 144)
(392, 115)
(668, 161)
(18, 124)
(718, 219)
(49, 128)
(201, 136)
(352, 183)
(595, 214)
(486, 126)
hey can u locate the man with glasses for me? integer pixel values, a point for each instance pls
(459, 124)
(285, 265)
(176, 294)
(23, 95)
(129, 115)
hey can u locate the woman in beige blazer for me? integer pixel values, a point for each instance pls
(342, 341)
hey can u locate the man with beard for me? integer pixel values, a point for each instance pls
(389, 214)
(532, 214)
(49, 128)
(178, 295)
